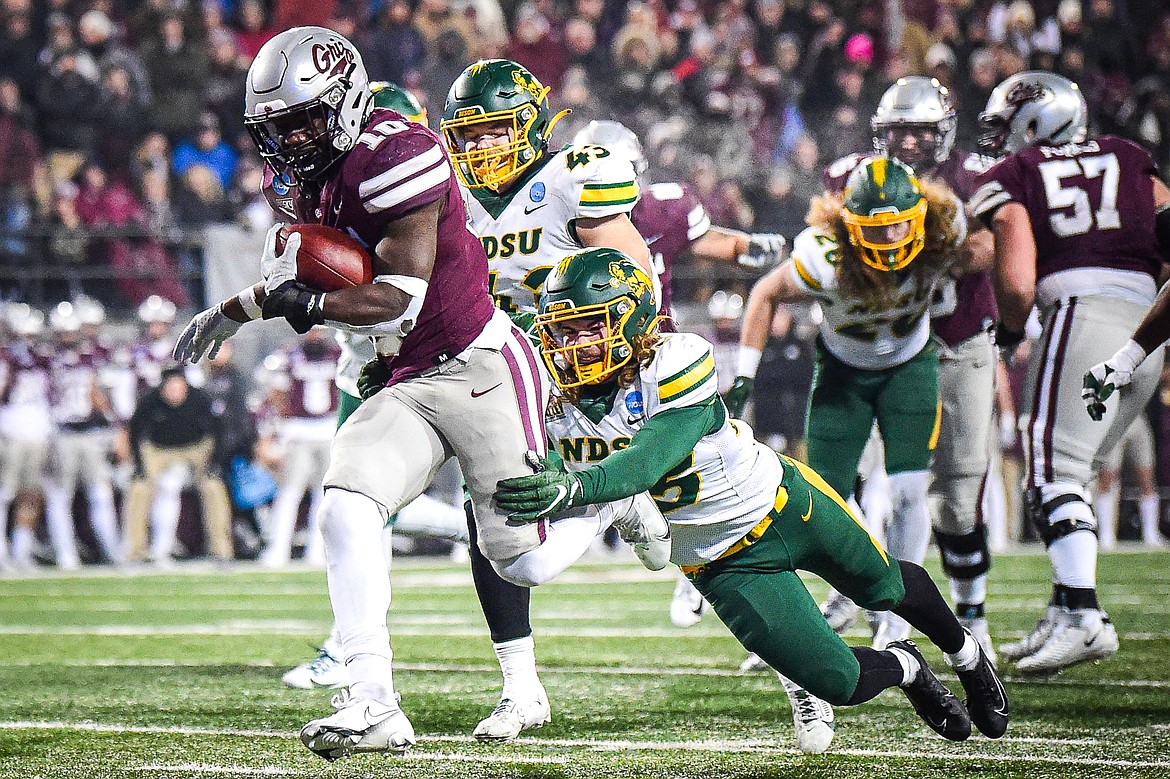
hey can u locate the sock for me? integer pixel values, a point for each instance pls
(1150, 509)
(879, 671)
(1105, 507)
(505, 605)
(908, 663)
(968, 593)
(909, 530)
(967, 658)
(518, 665)
(1074, 559)
(925, 608)
(59, 519)
(101, 517)
(22, 544)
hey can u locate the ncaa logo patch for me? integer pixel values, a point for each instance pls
(634, 403)
(536, 193)
(282, 184)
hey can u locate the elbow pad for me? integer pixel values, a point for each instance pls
(1162, 230)
(401, 326)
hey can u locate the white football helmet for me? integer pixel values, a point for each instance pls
(24, 321)
(65, 318)
(916, 104)
(91, 311)
(307, 100)
(616, 137)
(1033, 107)
(725, 307)
(157, 309)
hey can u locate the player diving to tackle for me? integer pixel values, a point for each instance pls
(743, 519)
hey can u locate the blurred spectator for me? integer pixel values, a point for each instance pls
(207, 148)
(123, 120)
(18, 51)
(200, 199)
(447, 59)
(178, 69)
(159, 218)
(176, 425)
(67, 107)
(254, 30)
(21, 171)
(972, 96)
(583, 50)
(95, 32)
(61, 40)
(223, 92)
(299, 13)
(435, 19)
(777, 208)
(247, 200)
(395, 49)
(67, 237)
(539, 45)
(153, 154)
(806, 169)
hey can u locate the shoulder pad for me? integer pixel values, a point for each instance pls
(814, 258)
(607, 181)
(683, 371)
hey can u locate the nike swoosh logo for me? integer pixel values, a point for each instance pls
(808, 514)
(631, 421)
(475, 394)
(561, 493)
(528, 210)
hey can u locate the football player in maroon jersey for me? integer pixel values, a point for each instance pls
(1074, 224)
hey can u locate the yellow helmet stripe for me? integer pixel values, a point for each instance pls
(879, 171)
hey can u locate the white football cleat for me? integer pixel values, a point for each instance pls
(753, 663)
(840, 612)
(359, 725)
(1031, 643)
(324, 670)
(811, 716)
(1079, 636)
(688, 605)
(978, 628)
(511, 717)
(645, 529)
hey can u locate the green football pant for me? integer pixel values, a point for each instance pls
(758, 595)
(346, 405)
(845, 401)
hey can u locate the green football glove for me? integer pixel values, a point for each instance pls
(1099, 383)
(373, 378)
(737, 397)
(548, 491)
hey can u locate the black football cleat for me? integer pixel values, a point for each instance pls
(934, 703)
(987, 700)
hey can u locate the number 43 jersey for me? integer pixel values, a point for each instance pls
(1091, 205)
(721, 490)
(528, 230)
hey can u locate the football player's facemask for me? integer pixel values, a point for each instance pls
(594, 308)
(394, 97)
(885, 213)
(306, 102)
(915, 121)
(496, 122)
(1032, 107)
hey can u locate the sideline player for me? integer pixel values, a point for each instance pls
(1074, 224)
(743, 519)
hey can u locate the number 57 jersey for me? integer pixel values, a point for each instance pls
(529, 229)
(1091, 205)
(714, 496)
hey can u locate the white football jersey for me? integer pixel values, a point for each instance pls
(526, 233)
(853, 332)
(715, 496)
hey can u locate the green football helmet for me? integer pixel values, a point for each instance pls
(885, 213)
(603, 295)
(394, 97)
(505, 94)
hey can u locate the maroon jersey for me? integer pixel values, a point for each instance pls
(1091, 204)
(396, 167)
(306, 373)
(966, 307)
(77, 374)
(670, 218)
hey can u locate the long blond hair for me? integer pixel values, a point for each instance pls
(877, 288)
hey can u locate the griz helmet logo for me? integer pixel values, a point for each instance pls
(1024, 92)
(334, 58)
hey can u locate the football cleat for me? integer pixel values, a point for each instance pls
(688, 604)
(511, 717)
(935, 704)
(977, 627)
(359, 725)
(1079, 636)
(644, 528)
(811, 716)
(753, 663)
(1032, 642)
(987, 700)
(839, 611)
(324, 670)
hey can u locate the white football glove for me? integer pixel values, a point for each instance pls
(765, 250)
(279, 268)
(204, 334)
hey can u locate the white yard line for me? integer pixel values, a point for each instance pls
(602, 745)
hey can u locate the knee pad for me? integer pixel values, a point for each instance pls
(1056, 514)
(964, 556)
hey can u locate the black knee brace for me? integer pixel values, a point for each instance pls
(964, 556)
(1039, 511)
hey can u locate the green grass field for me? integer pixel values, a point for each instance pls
(178, 675)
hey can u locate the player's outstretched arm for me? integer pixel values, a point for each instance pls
(755, 250)
(207, 330)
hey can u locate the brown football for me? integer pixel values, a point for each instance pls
(328, 259)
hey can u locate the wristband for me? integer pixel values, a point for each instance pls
(1128, 357)
(248, 302)
(748, 361)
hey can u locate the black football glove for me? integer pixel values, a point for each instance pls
(299, 305)
(373, 378)
(737, 397)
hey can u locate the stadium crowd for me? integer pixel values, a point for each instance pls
(121, 139)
